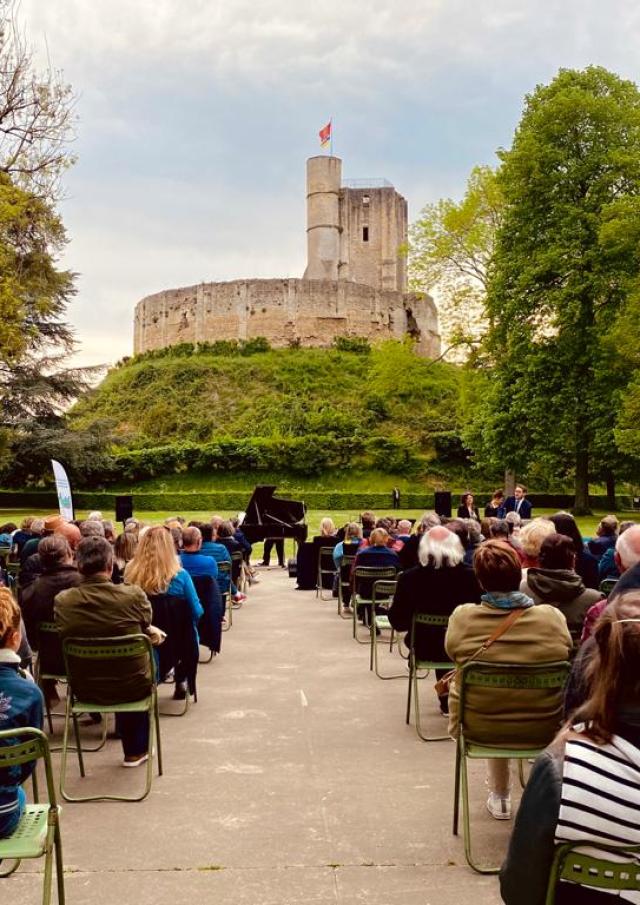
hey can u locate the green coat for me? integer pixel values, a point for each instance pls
(96, 608)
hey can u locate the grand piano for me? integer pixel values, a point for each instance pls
(268, 516)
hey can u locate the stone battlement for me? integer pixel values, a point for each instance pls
(285, 312)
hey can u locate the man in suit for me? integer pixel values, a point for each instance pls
(519, 502)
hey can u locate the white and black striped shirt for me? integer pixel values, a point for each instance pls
(601, 798)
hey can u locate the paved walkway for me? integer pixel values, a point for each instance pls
(293, 780)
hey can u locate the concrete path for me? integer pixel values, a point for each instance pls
(293, 780)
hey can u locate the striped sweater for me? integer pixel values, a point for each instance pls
(600, 798)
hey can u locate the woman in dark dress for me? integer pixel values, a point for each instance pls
(467, 507)
(495, 506)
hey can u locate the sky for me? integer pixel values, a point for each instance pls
(195, 118)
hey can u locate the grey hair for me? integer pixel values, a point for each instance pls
(513, 518)
(628, 547)
(441, 554)
(473, 527)
(429, 520)
(91, 528)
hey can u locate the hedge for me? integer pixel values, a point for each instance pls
(238, 499)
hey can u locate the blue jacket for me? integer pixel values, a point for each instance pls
(198, 564)
(220, 554)
(182, 586)
(21, 705)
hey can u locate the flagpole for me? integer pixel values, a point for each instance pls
(331, 137)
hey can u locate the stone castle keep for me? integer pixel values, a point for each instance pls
(355, 283)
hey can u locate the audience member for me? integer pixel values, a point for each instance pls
(437, 585)
(409, 553)
(352, 539)
(58, 573)
(586, 564)
(584, 788)
(22, 535)
(97, 608)
(31, 546)
(538, 635)
(92, 528)
(193, 560)
(403, 532)
(607, 567)
(627, 561)
(123, 552)
(368, 521)
(606, 536)
(21, 705)
(531, 537)
(556, 582)
(6, 533)
(210, 547)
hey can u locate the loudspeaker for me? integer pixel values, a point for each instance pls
(442, 503)
(124, 508)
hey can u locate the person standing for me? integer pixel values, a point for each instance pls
(395, 497)
(519, 503)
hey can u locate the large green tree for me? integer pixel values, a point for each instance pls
(555, 287)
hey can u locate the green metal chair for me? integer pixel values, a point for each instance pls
(117, 651)
(607, 586)
(238, 557)
(383, 592)
(415, 666)
(38, 833)
(345, 561)
(496, 676)
(325, 555)
(224, 568)
(582, 869)
(372, 574)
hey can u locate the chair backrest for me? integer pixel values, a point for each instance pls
(237, 558)
(365, 576)
(50, 656)
(511, 704)
(383, 591)
(179, 650)
(23, 746)
(607, 585)
(325, 559)
(583, 868)
(110, 670)
(210, 625)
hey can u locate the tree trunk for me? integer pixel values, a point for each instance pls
(581, 505)
(611, 491)
(509, 481)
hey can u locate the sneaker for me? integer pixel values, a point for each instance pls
(498, 807)
(239, 597)
(135, 761)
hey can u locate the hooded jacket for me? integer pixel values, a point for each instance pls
(564, 589)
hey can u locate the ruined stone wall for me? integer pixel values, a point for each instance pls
(374, 231)
(311, 312)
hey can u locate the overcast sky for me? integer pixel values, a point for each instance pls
(196, 117)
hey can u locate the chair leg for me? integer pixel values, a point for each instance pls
(57, 842)
(521, 775)
(409, 690)
(76, 732)
(456, 790)
(373, 646)
(416, 702)
(156, 720)
(48, 876)
(466, 822)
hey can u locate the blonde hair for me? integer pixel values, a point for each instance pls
(353, 529)
(155, 561)
(9, 616)
(327, 528)
(533, 533)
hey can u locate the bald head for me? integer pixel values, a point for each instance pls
(628, 548)
(438, 533)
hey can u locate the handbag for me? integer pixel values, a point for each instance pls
(443, 685)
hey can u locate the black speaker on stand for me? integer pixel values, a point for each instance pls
(442, 503)
(124, 508)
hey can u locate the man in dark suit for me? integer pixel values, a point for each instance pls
(519, 502)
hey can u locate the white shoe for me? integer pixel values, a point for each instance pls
(498, 807)
(137, 762)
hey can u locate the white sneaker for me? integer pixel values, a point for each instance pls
(498, 807)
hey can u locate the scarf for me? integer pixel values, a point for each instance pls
(507, 600)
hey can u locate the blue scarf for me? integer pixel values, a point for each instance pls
(507, 600)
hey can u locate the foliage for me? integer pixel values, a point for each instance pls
(555, 284)
(352, 344)
(451, 245)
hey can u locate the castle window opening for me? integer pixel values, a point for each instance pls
(365, 233)
(365, 199)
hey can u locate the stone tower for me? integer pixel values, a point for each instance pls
(355, 232)
(324, 177)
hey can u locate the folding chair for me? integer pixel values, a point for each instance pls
(344, 577)
(106, 654)
(50, 650)
(582, 868)
(326, 566)
(364, 578)
(210, 625)
(415, 665)
(38, 832)
(383, 592)
(607, 586)
(179, 651)
(224, 568)
(496, 676)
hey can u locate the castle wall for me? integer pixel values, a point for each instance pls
(311, 312)
(374, 229)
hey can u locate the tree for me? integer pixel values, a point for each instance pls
(451, 245)
(36, 113)
(557, 283)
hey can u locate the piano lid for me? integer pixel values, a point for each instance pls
(264, 509)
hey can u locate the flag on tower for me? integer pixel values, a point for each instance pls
(325, 135)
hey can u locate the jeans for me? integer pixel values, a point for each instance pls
(133, 729)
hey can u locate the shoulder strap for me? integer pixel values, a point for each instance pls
(505, 624)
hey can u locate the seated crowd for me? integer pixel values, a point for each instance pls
(516, 590)
(92, 582)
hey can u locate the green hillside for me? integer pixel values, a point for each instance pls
(242, 408)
